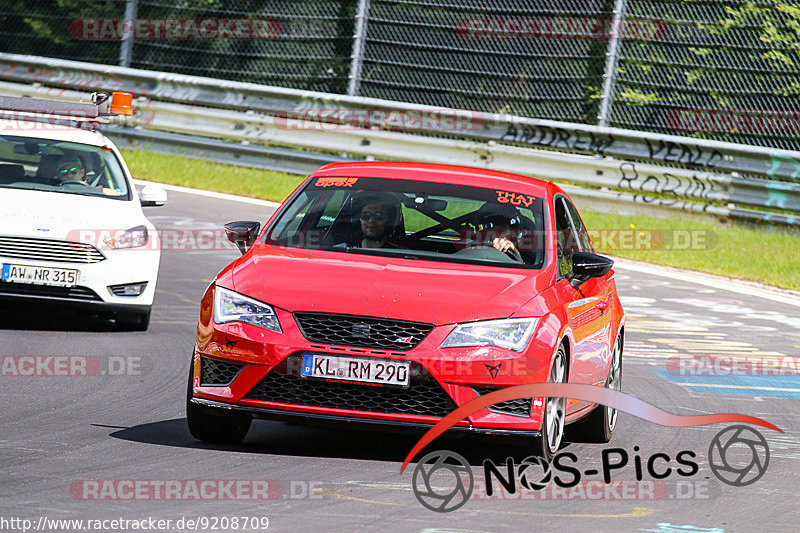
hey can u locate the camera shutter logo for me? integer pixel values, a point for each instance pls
(443, 481)
(526, 475)
(729, 443)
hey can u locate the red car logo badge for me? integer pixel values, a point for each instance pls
(361, 330)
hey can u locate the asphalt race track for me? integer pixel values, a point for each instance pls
(125, 423)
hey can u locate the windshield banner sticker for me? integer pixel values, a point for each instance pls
(335, 182)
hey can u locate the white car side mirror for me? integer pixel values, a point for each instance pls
(152, 196)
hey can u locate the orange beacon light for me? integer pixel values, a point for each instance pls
(121, 103)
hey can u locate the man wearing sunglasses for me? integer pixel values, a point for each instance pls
(69, 169)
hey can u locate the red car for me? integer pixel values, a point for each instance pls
(391, 293)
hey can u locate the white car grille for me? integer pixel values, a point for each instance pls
(48, 250)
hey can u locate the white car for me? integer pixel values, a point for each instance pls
(72, 230)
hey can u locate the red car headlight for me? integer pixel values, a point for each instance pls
(511, 333)
(230, 306)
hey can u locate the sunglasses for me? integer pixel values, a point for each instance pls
(379, 216)
(71, 170)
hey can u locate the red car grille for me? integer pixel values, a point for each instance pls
(216, 372)
(424, 396)
(361, 331)
(519, 407)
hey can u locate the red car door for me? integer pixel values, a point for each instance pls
(587, 308)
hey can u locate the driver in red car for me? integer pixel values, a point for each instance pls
(379, 221)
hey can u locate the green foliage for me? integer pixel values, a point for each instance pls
(778, 23)
(311, 50)
(635, 97)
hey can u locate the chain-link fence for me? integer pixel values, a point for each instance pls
(489, 56)
(721, 69)
(730, 69)
(289, 43)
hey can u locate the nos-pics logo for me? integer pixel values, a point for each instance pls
(443, 480)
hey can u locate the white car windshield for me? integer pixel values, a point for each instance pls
(62, 167)
(415, 220)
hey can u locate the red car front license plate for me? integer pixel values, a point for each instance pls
(361, 369)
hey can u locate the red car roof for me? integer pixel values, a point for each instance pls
(476, 177)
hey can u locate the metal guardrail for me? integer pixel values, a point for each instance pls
(247, 155)
(306, 162)
(659, 170)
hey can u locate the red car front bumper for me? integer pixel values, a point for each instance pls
(243, 367)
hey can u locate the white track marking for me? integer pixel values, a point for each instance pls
(709, 280)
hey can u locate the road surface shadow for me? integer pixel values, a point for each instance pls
(45, 318)
(279, 438)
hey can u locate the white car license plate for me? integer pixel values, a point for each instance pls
(362, 369)
(58, 277)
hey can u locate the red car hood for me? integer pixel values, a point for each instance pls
(424, 291)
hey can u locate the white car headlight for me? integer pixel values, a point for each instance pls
(130, 238)
(231, 306)
(511, 334)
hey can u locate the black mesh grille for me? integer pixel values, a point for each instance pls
(424, 396)
(362, 331)
(218, 372)
(520, 407)
(70, 293)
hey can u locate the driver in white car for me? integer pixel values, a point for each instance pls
(70, 168)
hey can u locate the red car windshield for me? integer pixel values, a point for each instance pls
(415, 220)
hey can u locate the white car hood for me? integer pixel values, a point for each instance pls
(51, 215)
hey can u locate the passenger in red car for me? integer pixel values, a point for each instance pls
(503, 226)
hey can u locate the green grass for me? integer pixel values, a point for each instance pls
(242, 181)
(765, 255)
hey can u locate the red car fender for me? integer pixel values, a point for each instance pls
(564, 333)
